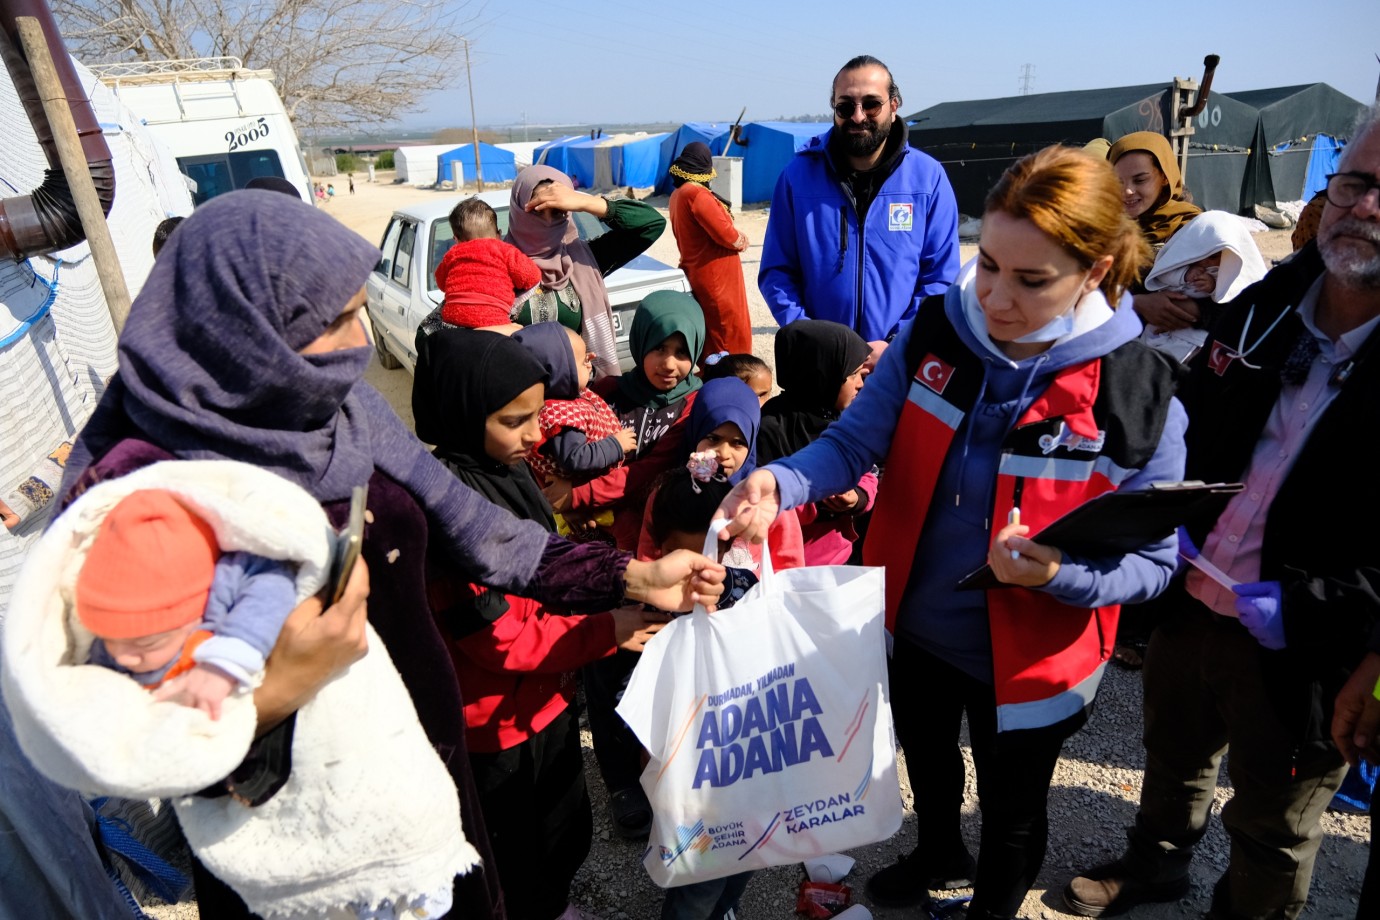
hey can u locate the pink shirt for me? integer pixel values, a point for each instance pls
(1235, 542)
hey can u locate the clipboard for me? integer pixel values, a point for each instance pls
(1115, 523)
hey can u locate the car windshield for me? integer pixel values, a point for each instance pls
(586, 225)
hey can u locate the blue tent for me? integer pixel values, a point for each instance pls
(595, 164)
(556, 153)
(607, 162)
(711, 133)
(498, 165)
(642, 161)
(766, 147)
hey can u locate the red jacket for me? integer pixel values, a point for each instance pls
(1043, 651)
(828, 537)
(783, 539)
(587, 413)
(624, 490)
(481, 279)
(515, 665)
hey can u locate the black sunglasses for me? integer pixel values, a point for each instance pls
(871, 106)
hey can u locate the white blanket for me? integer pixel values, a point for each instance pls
(369, 814)
(1209, 232)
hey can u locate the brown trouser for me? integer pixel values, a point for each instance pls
(1205, 692)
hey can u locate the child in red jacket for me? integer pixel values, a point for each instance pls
(515, 658)
(482, 275)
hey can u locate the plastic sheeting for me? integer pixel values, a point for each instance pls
(556, 153)
(714, 134)
(417, 165)
(769, 147)
(57, 343)
(57, 349)
(498, 165)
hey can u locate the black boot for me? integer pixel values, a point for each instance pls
(916, 874)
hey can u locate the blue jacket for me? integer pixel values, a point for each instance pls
(815, 266)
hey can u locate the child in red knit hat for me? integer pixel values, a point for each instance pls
(172, 611)
(482, 275)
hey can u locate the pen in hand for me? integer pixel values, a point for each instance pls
(1014, 517)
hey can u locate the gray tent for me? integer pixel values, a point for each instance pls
(976, 140)
(1300, 133)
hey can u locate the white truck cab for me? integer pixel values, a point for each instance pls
(225, 124)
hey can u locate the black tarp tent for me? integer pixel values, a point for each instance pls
(976, 140)
(1300, 134)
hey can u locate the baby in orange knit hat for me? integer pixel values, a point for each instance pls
(172, 611)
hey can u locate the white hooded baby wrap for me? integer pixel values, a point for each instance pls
(369, 814)
(1210, 232)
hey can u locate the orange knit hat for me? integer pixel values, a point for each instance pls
(149, 569)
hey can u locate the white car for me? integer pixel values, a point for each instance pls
(402, 288)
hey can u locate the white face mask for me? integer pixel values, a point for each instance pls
(1058, 327)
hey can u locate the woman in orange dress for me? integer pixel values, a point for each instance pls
(709, 246)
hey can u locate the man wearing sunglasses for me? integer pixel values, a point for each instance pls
(863, 226)
(1255, 646)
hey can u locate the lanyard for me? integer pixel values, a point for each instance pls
(1241, 350)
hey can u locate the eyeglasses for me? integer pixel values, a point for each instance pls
(1345, 189)
(871, 106)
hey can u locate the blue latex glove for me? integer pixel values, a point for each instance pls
(1260, 605)
(1186, 547)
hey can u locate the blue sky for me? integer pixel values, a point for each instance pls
(612, 61)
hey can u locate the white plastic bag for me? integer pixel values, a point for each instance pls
(768, 725)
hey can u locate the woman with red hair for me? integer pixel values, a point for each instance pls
(1010, 399)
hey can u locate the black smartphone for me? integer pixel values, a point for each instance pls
(348, 544)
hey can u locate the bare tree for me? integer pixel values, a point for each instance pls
(336, 63)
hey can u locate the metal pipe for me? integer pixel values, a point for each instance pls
(46, 219)
(92, 215)
(1204, 89)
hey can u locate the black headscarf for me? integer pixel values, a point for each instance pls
(813, 359)
(463, 377)
(696, 164)
(550, 344)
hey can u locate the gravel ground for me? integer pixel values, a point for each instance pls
(1096, 785)
(1093, 798)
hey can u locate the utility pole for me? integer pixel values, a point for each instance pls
(1027, 78)
(53, 96)
(474, 126)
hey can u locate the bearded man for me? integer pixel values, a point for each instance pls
(863, 226)
(1284, 397)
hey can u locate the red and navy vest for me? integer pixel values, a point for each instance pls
(1096, 423)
